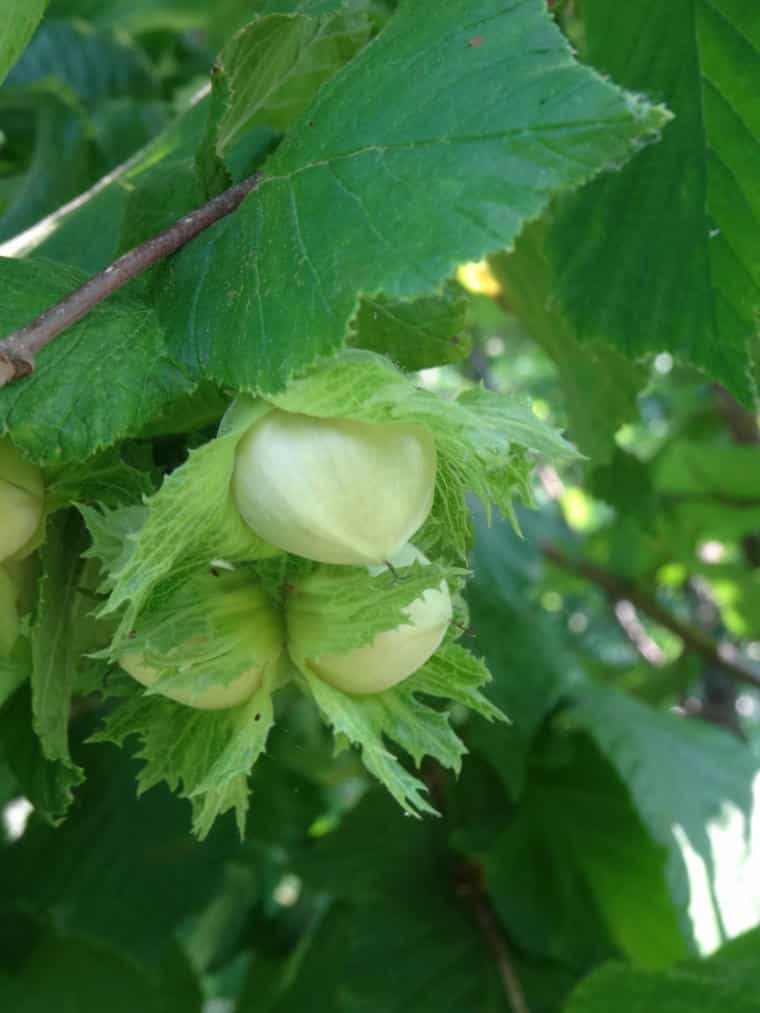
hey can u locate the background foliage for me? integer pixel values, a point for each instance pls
(601, 851)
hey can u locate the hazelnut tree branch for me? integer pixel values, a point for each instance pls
(471, 892)
(18, 350)
(722, 656)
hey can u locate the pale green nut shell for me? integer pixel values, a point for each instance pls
(22, 496)
(8, 612)
(213, 698)
(335, 490)
(394, 654)
(266, 638)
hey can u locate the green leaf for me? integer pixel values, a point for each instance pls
(348, 863)
(271, 70)
(737, 594)
(89, 64)
(374, 203)
(415, 335)
(62, 134)
(496, 417)
(179, 987)
(67, 74)
(454, 674)
(203, 755)
(599, 385)
(159, 195)
(145, 17)
(112, 533)
(697, 294)
(408, 905)
(203, 408)
(20, 19)
(575, 876)
(75, 875)
(78, 976)
(123, 126)
(105, 377)
(629, 991)
(626, 484)
(727, 981)
(702, 469)
(312, 8)
(56, 648)
(106, 478)
(400, 715)
(48, 785)
(692, 786)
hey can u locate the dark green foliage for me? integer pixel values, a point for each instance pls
(596, 853)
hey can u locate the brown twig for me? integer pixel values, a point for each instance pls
(741, 422)
(18, 350)
(471, 891)
(723, 656)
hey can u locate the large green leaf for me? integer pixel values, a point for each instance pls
(100, 381)
(91, 65)
(696, 294)
(692, 785)
(728, 981)
(75, 875)
(575, 875)
(405, 906)
(20, 18)
(77, 976)
(461, 128)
